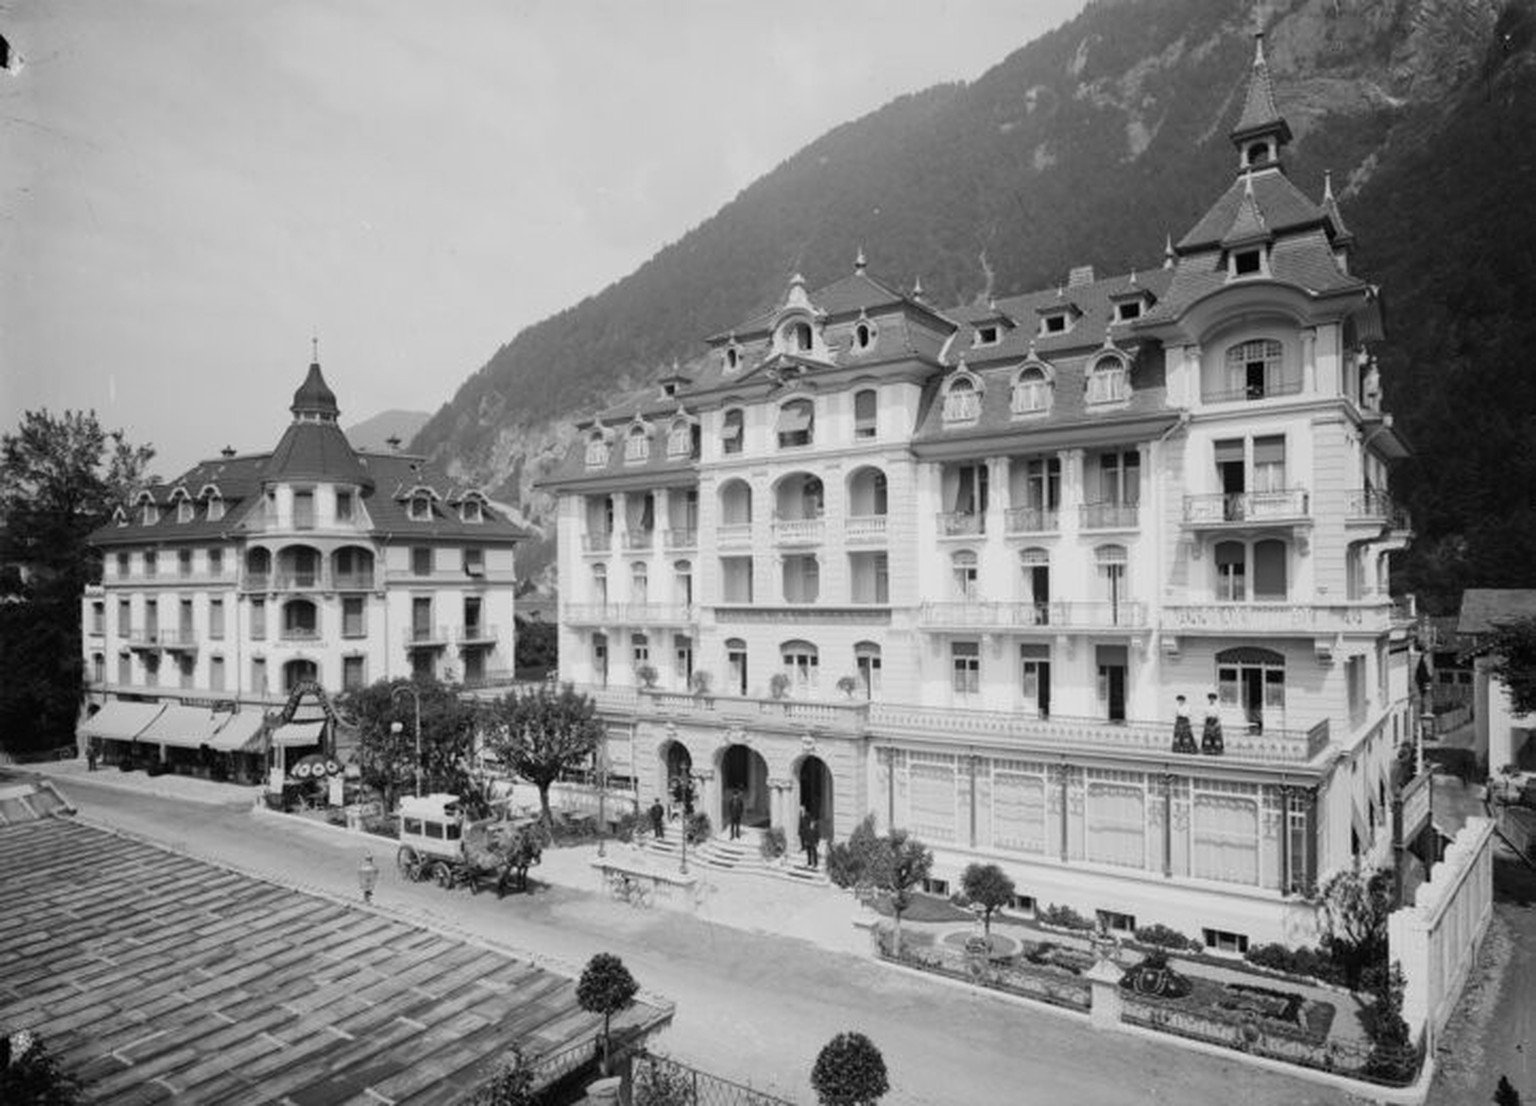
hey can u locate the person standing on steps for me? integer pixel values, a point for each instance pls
(810, 837)
(734, 808)
(658, 819)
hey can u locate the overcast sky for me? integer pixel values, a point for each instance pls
(190, 189)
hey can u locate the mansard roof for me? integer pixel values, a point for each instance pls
(1279, 203)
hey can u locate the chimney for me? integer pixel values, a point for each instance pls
(1082, 274)
(227, 452)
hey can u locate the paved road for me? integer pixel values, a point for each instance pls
(750, 1007)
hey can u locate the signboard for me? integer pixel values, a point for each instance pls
(1414, 808)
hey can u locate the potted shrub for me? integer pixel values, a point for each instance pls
(646, 674)
(605, 988)
(847, 685)
(700, 682)
(778, 684)
(774, 845)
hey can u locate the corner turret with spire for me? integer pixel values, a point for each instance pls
(1261, 130)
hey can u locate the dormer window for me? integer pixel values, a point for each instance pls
(797, 423)
(680, 438)
(421, 509)
(863, 336)
(730, 431)
(1257, 153)
(732, 358)
(120, 516)
(962, 401)
(797, 336)
(471, 510)
(1247, 262)
(597, 450)
(1032, 391)
(1127, 311)
(1057, 322)
(1108, 382)
(988, 335)
(215, 508)
(185, 512)
(149, 515)
(637, 446)
(669, 388)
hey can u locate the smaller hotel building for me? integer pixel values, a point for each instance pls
(953, 567)
(253, 575)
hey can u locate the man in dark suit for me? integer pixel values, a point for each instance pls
(734, 808)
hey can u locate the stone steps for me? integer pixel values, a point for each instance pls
(724, 855)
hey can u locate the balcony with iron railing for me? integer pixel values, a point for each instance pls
(864, 529)
(961, 524)
(1216, 510)
(1032, 520)
(143, 637)
(628, 614)
(799, 531)
(1057, 736)
(298, 581)
(1268, 618)
(1109, 516)
(352, 581)
(255, 581)
(477, 633)
(596, 542)
(639, 540)
(299, 633)
(181, 640)
(986, 614)
(733, 535)
(426, 637)
(1375, 507)
(1250, 393)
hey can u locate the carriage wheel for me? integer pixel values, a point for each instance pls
(408, 863)
(442, 874)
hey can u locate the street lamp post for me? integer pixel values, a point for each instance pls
(602, 796)
(395, 727)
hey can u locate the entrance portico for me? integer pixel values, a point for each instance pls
(743, 768)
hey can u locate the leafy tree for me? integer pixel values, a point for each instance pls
(30, 1076)
(1392, 1054)
(538, 645)
(1505, 1094)
(510, 1085)
(1355, 907)
(1513, 647)
(849, 1071)
(851, 863)
(605, 988)
(900, 866)
(988, 886)
(60, 477)
(388, 759)
(541, 733)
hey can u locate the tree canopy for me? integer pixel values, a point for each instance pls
(605, 988)
(849, 1071)
(60, 477)
(540, 733)
(387, 759)
(989, 887)
(1513, 647)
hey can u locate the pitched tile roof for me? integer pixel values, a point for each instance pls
(1280, 204)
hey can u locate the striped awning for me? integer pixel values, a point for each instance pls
(121, 720)
(187, 727)
(240, 733)
(297, 733)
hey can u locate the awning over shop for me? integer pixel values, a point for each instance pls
(297, 733)
(120, 720)
(240, 733)
(187, 727)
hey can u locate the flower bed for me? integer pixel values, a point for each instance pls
(1055, 984)
(1234, 1010)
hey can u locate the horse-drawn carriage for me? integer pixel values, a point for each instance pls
(437, 842)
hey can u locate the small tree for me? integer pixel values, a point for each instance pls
(30, 1075)
(849, 1071)
(851, 863)
(1505, 1094)
(605, 988)
(541, 733)
(900, 866)
(387, 757)
(1355, 906)
(1391, 1053)
(989, 887)
(1513, 647)
(510, 1085)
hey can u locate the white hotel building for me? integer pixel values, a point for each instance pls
(985, 548)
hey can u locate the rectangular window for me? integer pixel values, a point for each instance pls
(124, 618)
(1120, 478)
(639, 650)
(216, 619)
(343, 506)
(472, 608)
(802, 579)
(736, 579)
(259, 675)
(965, 660)
(421, 618)
(1269, 464)
(353, 673)
(258, 620)
(303, 510)
(151, 618)
(184, 562)
(736, 665)
(216, 673)
(122, 565)
(1221, 940)
(184, 667)
(474, 562)
(1116, 922)
(151, 562)
(1043, 483)
(864, 414)
(184, 621)
(970, 490)
(215, 562)
(124, 669)
(421, 561)
(353, 622)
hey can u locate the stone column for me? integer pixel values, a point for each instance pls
(1167, 826)
(1285, 838)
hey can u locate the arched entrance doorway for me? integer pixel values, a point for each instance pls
(815, 780)
(744, 769)
(679, 777)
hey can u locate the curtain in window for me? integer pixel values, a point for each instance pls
(1269, 570)
(1018, 812)
(1116, 824)
(933, 813)
(1226, 838)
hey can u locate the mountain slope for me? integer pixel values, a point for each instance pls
(1087, 146)
(375, 432)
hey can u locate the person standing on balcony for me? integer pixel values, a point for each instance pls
(1211, 741)
(1183, 732)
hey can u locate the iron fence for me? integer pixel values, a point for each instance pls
(663, 1081)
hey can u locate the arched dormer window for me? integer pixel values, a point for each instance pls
(682, 438)
(637, 444)
(597, 448)
(472, 509)
(214, 502)
(120, 516)
(1254, 369)
(731, 431)
(149, 510)
(1033, 390)
(797, 337)
(962, 398)
(864, 335)
(796, 424)
(1109, 380)
(419, 504)
(186, 511)
(732, 357)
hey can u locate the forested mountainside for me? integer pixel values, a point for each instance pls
(1090, 145)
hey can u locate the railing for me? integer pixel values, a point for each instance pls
(1376, 505)
(1220, 507)
(256, 581)
(682, 538)
(732, 535)
(299, 633)
(862, 528)
(140, 637)
(639, 539)
(1004, 614)
(1250, 392)
(1032, 520)
(1109, 516)
(597, 543)
(478, 635)
(662, 1079)
(798, 531)
(178, 639)
(296, 581)
(1276, 618)
(956, 524)
(426, 635)
(352, 581)
(490, 677)
(613, 614)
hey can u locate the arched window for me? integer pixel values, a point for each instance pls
(962, 400)
(679, 439)
(301, 621)
(800, 337)
(1031, 391)
(1107, 382)
(797, 423)
(731, 431)
(639, 583)
(682, 582)
(735, 503)
(802, 664)
(732, 358)
(637, 445)
(1253, 369)
(600, 585)
(963, 571)
(597, 449)
(863, 336)
(867, 494)
(865, 413)
(867, 662)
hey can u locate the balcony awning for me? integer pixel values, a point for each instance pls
(794, 418)
(297, 733)
(187, 727)
(240, 733)
(120, 720)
